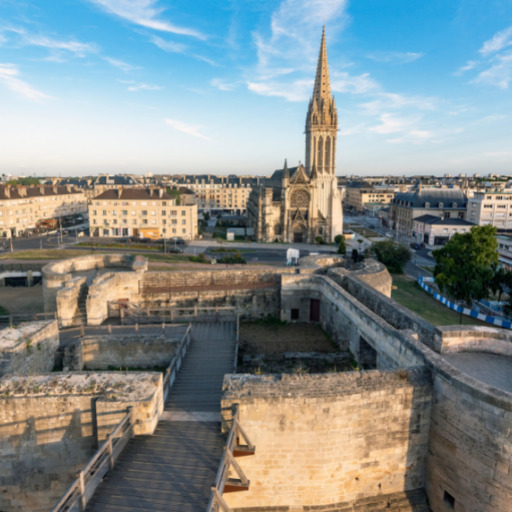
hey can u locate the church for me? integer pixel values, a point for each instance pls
(299, 204)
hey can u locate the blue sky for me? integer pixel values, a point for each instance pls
(91, 86)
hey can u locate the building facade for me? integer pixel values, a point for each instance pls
(303, 203)
(493, 208)
(21, 208)
(142, 212)
(445, 203)
(433, 230)
(362, 196)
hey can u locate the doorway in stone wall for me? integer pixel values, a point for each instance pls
(367, 355)
(314, 310)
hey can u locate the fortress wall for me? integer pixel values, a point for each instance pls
(67, 299)
(331, 439)
(396, 315)
(98, 352)
(351, 323)
(34, 349)
(50, 426)
(470, 447)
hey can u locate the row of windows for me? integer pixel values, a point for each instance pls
(38, 200)
(142, 221)
(143, 213)
(116, 231)
(134, 203)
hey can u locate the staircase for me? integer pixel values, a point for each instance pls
(80, 317)
(173, 470)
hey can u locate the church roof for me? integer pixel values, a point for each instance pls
(322, 90)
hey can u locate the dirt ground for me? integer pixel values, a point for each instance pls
(262, 346)
(22, 299)
(272, 338)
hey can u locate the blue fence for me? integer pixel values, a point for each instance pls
(498, 322)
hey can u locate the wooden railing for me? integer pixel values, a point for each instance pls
(82, 489)
(175, 364)
(27, 317)
(232, 449)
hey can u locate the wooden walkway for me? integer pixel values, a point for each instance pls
(174, 469)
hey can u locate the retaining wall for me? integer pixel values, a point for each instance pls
(331, 439)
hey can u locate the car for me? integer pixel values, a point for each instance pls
(177, 240)
(389, 235)
(371, 226)
(174, 250)
(416, 246)
(144, 240)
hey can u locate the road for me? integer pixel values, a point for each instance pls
(257, 255)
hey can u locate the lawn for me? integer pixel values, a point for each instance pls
(410, 295)
(360, 230)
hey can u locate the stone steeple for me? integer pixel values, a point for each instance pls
(321, 120)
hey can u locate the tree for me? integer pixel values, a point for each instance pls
(174, 192)
(465, 265)
(342, 248)
(338, 238)
(206, 216)
(355, 255)
(500, 281)
(394, 256)
(319, 240)
(24, 181)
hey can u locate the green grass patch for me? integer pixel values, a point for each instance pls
(38, 254)
(427, 268)
(158, 247)
(410, 295)
(3, 311)
(269, 321)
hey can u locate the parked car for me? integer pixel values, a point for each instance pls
(416, 246)
(177, 240)
(371, 226)
(389, 235)
(144, 240)
(174, 250)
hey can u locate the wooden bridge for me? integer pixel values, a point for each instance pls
(174, 469)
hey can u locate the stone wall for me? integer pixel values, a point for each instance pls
(98, 352)
(67, 299)
(50, 427)
(473, 339)
(102, 290)
(395, 314)
(29, 348)
(330, 439)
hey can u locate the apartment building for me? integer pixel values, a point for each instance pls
(216, 194)
(493, 208)
(362, 196)
(22, 207)
(433, 230)
(142, 212)
(446, 203)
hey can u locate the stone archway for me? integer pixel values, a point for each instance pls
(299, 233)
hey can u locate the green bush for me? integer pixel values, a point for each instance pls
(394, 256)
(319, 240)
(342, 248)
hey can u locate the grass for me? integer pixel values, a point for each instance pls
(3, 311)
(410, 295)
(367, 233)
(427, 268)
(145, 247)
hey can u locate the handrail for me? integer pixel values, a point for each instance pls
(81, 490)
(228, 462)
(175, 364)
(173, 314)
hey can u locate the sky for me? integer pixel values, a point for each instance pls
(173, 86)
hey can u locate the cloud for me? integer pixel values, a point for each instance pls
(187, 128)
(388, 100)
(498, 153)
(344, 82)
(9, 77)
(146, 87)
(120, 64)
(76, 47)
(146, 14)
(300, 90)
(500, 40)
(392, 124)
(395, 57)
(499, 74)
(414, 137)
(469, 65)
(222, 85)
(168, 46)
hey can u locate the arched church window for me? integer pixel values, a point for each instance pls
(320, 158)
(277, 229)
(328, 152)
(299, 199)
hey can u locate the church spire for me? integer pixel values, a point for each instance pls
(322, 90)
(286, 173)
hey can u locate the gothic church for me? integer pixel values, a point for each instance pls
(301, 203)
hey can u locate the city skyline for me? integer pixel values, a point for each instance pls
(135, 86)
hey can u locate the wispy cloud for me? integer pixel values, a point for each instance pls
(500, 40)
(469, 65)
(144, 87)
(393, 101)
(9, 77)
(121, 64)
(187, 128)
(146, 14)
(390, 123)
(499, 74)
(76, 47)
(299, 90)
(168, 46)
(221, 84)
(395, 57)
(342, 81)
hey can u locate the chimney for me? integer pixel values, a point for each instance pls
(55, 190)
(41, 189)
(161, 192)
(119, 192)
(7, 191)
(22, 191)
(68, 188)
